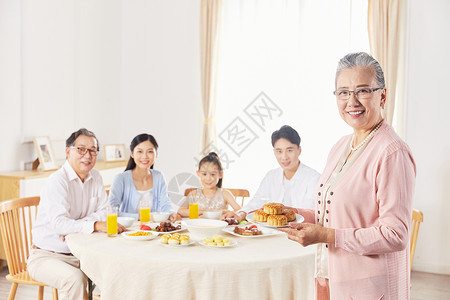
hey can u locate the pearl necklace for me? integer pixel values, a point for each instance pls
(371, 134)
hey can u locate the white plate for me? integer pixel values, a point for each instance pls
(180, 245)
(153, 226)
(265, 232)
(233, 243)
(249, 217)
(126, 235)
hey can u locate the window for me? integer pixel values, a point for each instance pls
(285, 52)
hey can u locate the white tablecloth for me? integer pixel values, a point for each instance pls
(257, 268)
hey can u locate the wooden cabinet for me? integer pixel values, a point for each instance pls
(29, 183)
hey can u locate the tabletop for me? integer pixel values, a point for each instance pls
(271, 267)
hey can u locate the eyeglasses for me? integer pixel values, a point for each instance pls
(82, 150)
(361, 93)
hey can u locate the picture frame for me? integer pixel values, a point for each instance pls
(46, 155)
(114, 152)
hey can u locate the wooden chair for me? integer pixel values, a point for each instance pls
(17, 217)
(236, 193)
(107, 189)
(417, 218)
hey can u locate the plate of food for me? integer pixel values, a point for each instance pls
(252, 231)
(163, 227)
(232, 222)
(175, 240)
(273, 216)
(217, 241)
(139, 235)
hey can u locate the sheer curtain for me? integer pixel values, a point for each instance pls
(210, 20)
(277, 65)
(386, 36)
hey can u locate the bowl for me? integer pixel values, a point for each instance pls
(125, 221)
(202, 228)
(212, 214)
(160, 216)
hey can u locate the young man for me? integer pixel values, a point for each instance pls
(292, 184)
(73, 200)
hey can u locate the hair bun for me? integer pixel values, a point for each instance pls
(213, 154)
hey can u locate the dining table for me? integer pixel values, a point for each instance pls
(268, 267)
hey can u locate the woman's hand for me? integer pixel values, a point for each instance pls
(174, 217)
(232, 214)
(291, 208)
(308, 234)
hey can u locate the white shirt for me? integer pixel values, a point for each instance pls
(68, 205)
(297, 192)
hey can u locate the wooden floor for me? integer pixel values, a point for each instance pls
(425, 286)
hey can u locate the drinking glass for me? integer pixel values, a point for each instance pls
(193, 204)
(144, 208)
(111, 220)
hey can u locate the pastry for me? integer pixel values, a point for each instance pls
(173, 241)
(165, 238)
(277, 220)
(290, 215)
(260, 216)
(184, 239)
(273, 208)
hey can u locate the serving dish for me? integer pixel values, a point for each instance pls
(152, 235)
(179, 245)
(125, 221)
(202, 228)
(264, 230)
(233, 243)
(153, 226)
(160, 216)
(299, 219)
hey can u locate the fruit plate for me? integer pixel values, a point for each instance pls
(265, 231)
(233, 243)
(299, 219)
(152, 235)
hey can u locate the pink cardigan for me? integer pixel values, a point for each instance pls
(371, 211)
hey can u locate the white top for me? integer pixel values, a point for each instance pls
(297, 192)
(67, 206)
(145, 196)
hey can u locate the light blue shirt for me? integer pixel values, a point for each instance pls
(123, 194)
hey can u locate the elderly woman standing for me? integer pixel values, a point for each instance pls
(363, 202)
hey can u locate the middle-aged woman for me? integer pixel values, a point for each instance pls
(140, 180)
(363, 202)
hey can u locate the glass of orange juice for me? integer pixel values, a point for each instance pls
(193, 203)
(111, 220)
(144, 209)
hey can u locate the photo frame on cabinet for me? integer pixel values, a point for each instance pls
(115, 152)
(46, 155)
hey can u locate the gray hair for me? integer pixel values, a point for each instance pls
(361, 59)
(82, 131)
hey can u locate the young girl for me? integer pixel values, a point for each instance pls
(140, 180)
(212, 196)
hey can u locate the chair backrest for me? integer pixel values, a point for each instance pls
(417, 218)
(17, 218)
(236, 193)
(107, 189)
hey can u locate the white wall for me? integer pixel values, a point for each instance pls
(118, 68)
(427, 125)
(121, 68)
(10, 109)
